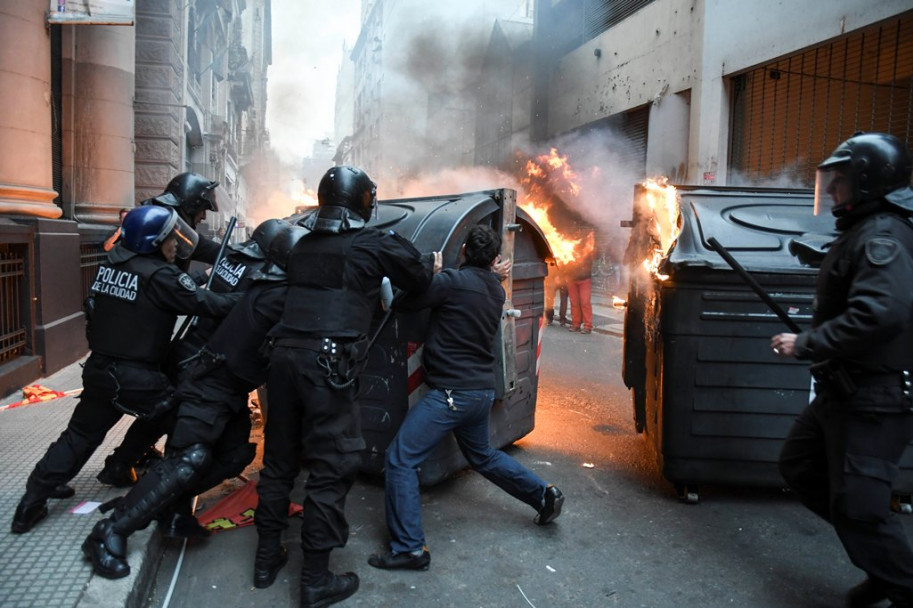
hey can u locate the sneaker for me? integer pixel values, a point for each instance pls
(551, 506)
(401, 561)
(586, 331)
(573, 328)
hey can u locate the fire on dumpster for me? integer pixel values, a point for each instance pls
(548, 183)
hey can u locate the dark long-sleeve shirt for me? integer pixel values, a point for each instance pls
(466, 310)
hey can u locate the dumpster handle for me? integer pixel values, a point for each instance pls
(750, 280)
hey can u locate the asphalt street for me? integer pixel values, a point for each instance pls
(624, 538)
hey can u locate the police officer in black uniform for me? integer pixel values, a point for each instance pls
(191, 195)
(137, 294)
(234, 273)
(209, 442)
(335, 275)
(841, 456)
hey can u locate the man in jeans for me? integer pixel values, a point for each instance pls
(458, 358)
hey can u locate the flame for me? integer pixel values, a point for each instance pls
(552, 173)
(663, 201)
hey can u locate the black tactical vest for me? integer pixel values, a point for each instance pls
(323, 300)
(241, 335)
(125, 323)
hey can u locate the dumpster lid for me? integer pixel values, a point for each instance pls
(755, 224)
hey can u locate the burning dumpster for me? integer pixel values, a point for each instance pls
(712, 401)
(393, 377)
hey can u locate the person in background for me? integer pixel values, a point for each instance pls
(114, 236)
(579, 276)
(319, 346)
(842, 455)
(466, 306)
(136, 296)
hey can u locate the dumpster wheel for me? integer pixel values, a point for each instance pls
(688, 493)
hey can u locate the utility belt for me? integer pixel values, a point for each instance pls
(341, 360)
(835, 378)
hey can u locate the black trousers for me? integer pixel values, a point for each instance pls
(841, 461)
(93, 417)
(311, 422)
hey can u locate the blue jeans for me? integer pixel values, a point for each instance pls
(426, 424)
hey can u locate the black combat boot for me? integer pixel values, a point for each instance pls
(117, 474)
(269, 559)
(319, 586)
(178, 521)
(30, 510)
(107, 550)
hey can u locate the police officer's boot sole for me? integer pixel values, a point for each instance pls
(337, 588)
(266, 569)
(26, 517)
(104, 563)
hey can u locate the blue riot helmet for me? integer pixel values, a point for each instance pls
(145, 229)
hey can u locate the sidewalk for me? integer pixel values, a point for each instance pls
(45, 567)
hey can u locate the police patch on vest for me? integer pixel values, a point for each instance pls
(119, 284)
(881, 250)
(187, 283)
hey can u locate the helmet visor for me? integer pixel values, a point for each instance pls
(186, 238)
(833, 188)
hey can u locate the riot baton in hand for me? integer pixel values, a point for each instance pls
(776, 308)
(188, 321)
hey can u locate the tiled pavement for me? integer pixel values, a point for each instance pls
(45, 567)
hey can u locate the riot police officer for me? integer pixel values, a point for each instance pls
(234, 273)
(841, 456)
(137, 295)
(191, 195)
(335, 275)
(209, 442)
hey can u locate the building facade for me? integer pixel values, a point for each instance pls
(100, 117)
(725, 92)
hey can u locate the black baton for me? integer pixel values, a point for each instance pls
(778, 310)
(188, 321)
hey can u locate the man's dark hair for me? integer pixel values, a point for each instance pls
(482, 246)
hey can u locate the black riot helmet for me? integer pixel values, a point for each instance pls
(190, 194)
(282, 245)
(865, 168)
(258, 245)
(348, 187)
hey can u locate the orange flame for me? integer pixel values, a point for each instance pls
(554, 170)
(663, 201)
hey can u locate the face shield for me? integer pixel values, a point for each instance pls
(186, 237)
(833, 189)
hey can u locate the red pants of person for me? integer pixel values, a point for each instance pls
(580, 293)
